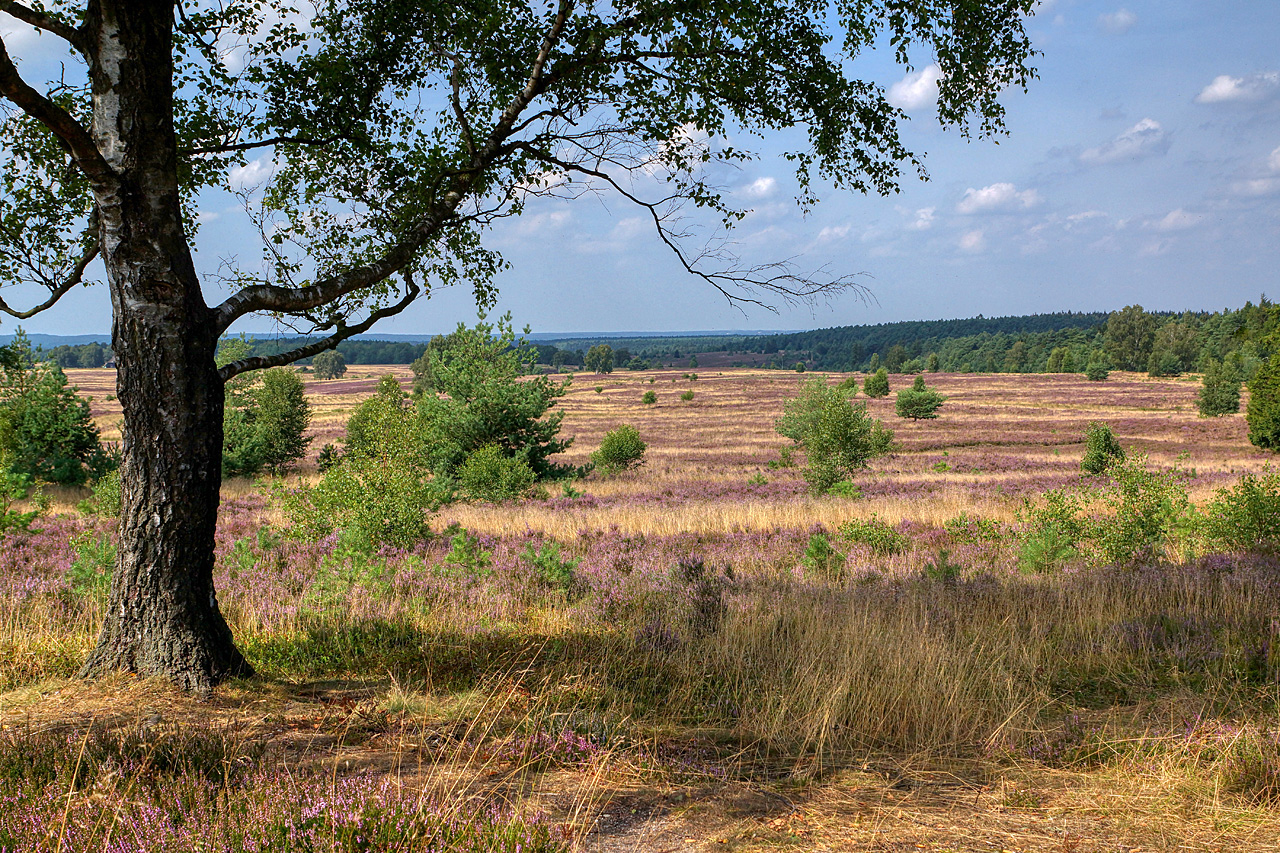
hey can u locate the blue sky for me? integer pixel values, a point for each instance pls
(1142, 167)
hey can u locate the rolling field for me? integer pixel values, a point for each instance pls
(706, 675)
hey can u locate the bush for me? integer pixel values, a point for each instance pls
(877, 384)
(821, 559)
(1100, 449)
(919, 402)
(878, 535)
(264, 424)
(329, 364)
(1263, 411)
(551, 569)
(106, 497)
(1220, 389)
(1147, 509)
(799, 367)
(620, 450)
(466, 558)
(90, 571)
(1051, 532)
(488, 475)
(478, 398)
(1097, 372)
(1246, 516)
(687, 396)
(48, 430)
(649, 398)
(838, 436)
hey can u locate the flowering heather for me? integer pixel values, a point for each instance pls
(276, 812)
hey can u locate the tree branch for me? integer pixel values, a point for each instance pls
(258, 362)
(75, 277)
(70, 133)
(44, 21)
(235, 147)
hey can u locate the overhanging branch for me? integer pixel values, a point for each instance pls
(44, 21)
(70, 133)
(259, 362)
(73, 278)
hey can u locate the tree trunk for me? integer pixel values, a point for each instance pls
(162, 614)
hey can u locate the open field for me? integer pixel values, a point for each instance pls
(700, 685)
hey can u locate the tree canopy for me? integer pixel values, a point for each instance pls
(390, 135)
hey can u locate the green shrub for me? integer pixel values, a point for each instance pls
(687, 396)
(845, 489)
(329, 364)
(941, 569)
(822, 560)
(489, 475)
(1097, 372)
(800, 367)
(105, 498)
(620, 450)
(264, 424)
(1263, 411)
(478, 397)
(466, 559)
(849, 386)
(1147, 508)
(1246, 516)
(1045, 550)
(837, 436)
(14, 487)
(551, 569)
(1100, 449)
(786, 459)
(1051, 532)
(90, 571)
(878, 535)
(1220, 389)
(47, 427)
(919, 402)
(973, 529)
(649, 398)
(877, 384)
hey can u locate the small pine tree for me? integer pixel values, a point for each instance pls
(919, 402)
(877, 384)
(1100, 449)
(1263, 411)
(1220, 389)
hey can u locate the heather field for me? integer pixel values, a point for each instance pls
(697, 655)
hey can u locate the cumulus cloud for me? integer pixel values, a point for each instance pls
(917, 90)
(924, 218)
(1253, 87)
(1144, 139)
(997, 198)
(253, 174)
(1178, 220)
(1264, 181)
(761, 188)
(973, 241)
(1117, 23)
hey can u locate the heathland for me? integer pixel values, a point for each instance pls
(974, 645)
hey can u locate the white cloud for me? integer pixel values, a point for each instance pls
(1264, 182)
(917, 90)
(1274, 160)
(997, 198)
(252, 175)
(1117, 23)
(1252, 87)
(831, 233)
(761, 188)
(1144, 139)
(1178, 220)
(924, 218)
(973, 241)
